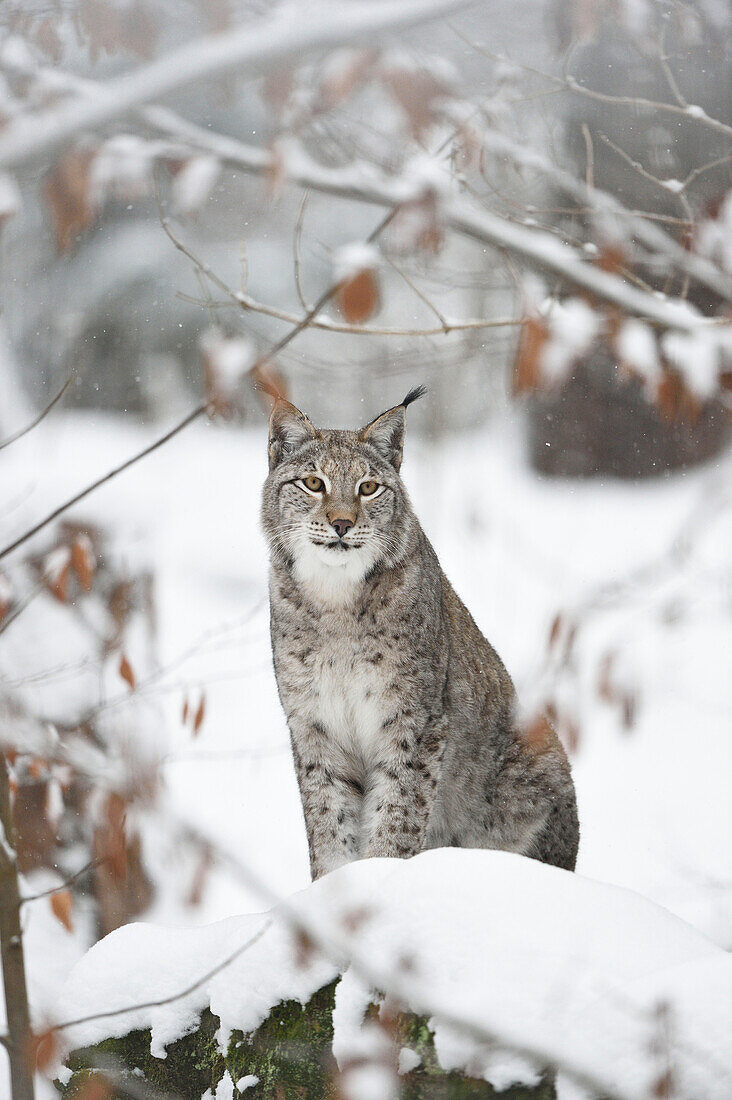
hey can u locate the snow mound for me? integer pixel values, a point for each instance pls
(500, 951)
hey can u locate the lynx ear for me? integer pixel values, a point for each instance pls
(288, 430)
(386, 433)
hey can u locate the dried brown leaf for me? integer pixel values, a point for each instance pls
(276, 89)
(611, 258)
(125, 671)
(200, 715)
(59, 584)
(341, 79)
(358, 296)
(62, 906)
(82, 561)
(99, 22)
(527, 364)
(42, 1050)
(110, 840)
(67, 192)
(47, 39)
(554, 629)
(139, 30)
(417, 91)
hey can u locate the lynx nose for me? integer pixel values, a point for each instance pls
(341, 526)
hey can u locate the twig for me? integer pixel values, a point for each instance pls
(298, 323)
(670, 78)
(13, 615)
(244, 301)
(296, 249)
(678, 192)
(15, 987)
(198, 411)
(590, 152)
(41, 416)
(65, 885)
(569, 82)
(698, 116)
(173, 996)
(445, 324)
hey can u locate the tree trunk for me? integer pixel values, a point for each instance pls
(11, 950)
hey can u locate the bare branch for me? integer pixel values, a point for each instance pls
(246, 302)
(296, 241)
(230, 958)
(41, 416)
(198, 411)
(11, 950)
(365, 184)
(64, 885)
(692, 113)
(665, 185)
(663, 60)
(445, 325)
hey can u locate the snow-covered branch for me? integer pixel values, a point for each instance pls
(365, 183)
(252, 49)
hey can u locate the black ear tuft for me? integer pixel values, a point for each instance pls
(414, 395)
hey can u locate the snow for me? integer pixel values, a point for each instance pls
(350, 259)
(573, 326)
(223, 1091)
(229, 358)
(714, 235)
(408, 1060)
(122, 168)
(637, 349)
(526, 955)
(10, 200)
(194, 183)
(247, 1082)
(700, 357)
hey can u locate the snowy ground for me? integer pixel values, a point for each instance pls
(545, 960)
(654, 800)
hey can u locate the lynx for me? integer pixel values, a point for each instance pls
(401, 714)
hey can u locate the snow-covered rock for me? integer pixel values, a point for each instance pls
(515, 964)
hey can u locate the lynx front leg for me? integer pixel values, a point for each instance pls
(331, 801)
(401, 793)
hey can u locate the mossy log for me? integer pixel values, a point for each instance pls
(290, 1054)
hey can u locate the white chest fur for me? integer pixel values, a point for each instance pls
(347, 700)
(331, 578)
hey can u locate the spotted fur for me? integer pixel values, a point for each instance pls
(401, 714)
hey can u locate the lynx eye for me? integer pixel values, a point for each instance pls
(313, 483)
(368, 488)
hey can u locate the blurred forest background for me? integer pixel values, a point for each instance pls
(525, 205)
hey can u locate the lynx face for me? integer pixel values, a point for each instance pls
(334, 504)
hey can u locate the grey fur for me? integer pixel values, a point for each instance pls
(401, 714)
